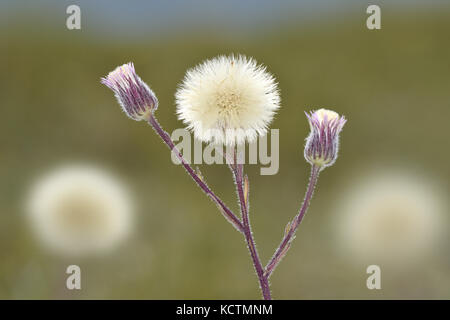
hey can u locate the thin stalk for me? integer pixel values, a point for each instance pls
(292, 227)
(227, 213)
(238, 171)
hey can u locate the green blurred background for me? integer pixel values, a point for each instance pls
(392, 85)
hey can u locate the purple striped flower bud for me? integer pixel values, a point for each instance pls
(322, 144)
(134, 96)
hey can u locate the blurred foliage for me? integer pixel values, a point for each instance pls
(392, 84)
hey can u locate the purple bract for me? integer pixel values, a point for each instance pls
(136, 99)
(322, 144)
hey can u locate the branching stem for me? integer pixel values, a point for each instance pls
(238, 171)
(244, 225)
(292, 227)
(227, 213)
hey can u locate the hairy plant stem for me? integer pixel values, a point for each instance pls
(292, 226)
(227, 213)
(244, 225)
(238, 172)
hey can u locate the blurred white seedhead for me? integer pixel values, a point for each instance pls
(79, 210)
(391, 217)
(228, 100)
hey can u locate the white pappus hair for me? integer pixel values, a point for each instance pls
(228, 100)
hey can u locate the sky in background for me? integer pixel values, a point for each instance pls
(134, 18)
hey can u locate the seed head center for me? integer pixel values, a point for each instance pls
(228, 101)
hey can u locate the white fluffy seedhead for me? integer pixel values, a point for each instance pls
(78, 210)
(228, 100)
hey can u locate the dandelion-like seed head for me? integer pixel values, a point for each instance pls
(79, 210)
(322, 144)
(391, 217)
(228, 100)
(134, 96)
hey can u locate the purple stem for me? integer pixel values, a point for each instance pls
(286, 242)
(238, 171)
(228, 214)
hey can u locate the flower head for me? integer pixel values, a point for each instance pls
(136, 99)
(322, 144)
(228, 100)
(79, 210)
